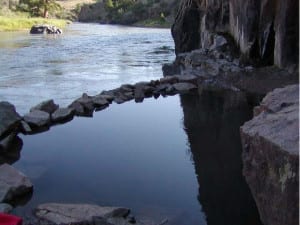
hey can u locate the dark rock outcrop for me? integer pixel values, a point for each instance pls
(265, 31)
(271, 156)
(45, 29)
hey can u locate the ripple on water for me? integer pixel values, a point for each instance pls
(87, 57)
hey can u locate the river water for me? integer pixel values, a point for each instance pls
(86, 58)
(176, 158)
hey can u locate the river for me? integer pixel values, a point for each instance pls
(176, 158)
(86, 58)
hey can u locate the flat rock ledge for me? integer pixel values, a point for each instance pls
(271, 156)
(13, 184)
(83, 214)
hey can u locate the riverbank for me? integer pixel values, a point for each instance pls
(18, 23)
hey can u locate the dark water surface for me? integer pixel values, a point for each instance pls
(157, 158)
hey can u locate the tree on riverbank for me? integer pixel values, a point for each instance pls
(39, 7)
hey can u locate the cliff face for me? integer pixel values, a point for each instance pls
(264, 30)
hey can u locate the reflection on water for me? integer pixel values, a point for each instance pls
(130, 155)
(138, 156)
(212, 123)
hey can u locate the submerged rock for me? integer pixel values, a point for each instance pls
(13, 183)
(271, 156)
(81, 214)
(9, 118)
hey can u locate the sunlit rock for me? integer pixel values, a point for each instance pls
(271, 156)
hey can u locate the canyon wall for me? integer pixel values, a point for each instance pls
(265, 31)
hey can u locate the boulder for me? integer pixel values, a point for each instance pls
(83, 106)
(271, 156)
(9, 118)
(13, 184)
(37, 119)
(47, 106)
(62, 114)
(45, 29)
(57, 213)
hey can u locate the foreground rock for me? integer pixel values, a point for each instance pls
(13, 184)
(9, 119)
(81, 214)
(45, 29)
(271, 156)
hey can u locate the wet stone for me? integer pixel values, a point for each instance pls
(99, 101)
(63, 114)
(37, 118)
(47, 106)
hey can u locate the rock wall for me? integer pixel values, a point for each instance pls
(266, 31)
(271, 156)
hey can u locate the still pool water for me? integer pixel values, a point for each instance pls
(130, 155)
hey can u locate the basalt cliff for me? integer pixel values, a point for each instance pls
(251, 47)
(265, 31)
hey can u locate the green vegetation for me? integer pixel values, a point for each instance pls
(21, 23)
(24, 14)
(144, 13)
(39, 7)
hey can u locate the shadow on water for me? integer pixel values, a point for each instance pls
(212, 122)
